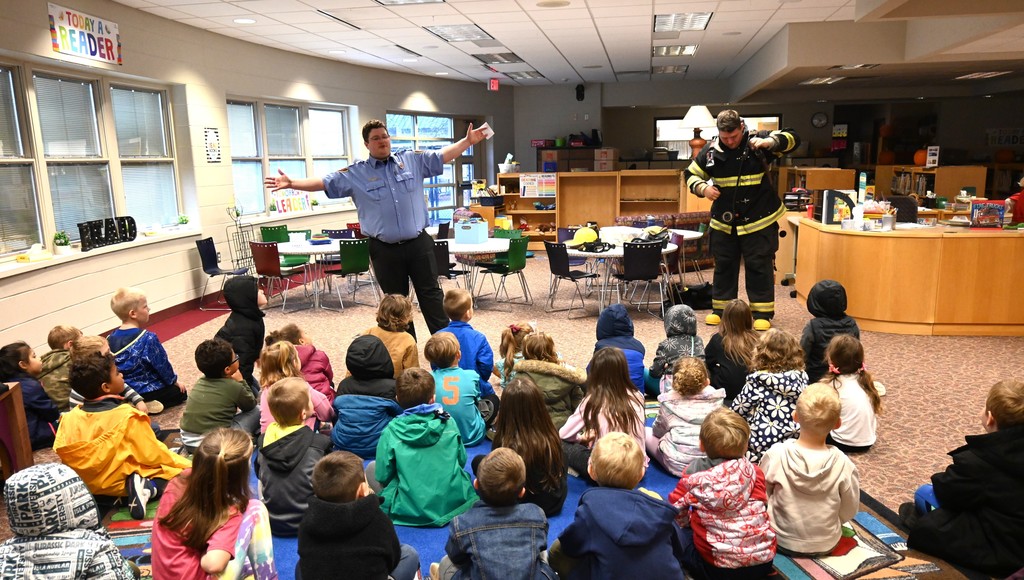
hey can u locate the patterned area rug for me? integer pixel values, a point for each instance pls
(133, 537)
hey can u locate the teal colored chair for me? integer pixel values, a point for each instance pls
(279, 234)
(514, 267)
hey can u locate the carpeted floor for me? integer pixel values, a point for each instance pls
(936, 385)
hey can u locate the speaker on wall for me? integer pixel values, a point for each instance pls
(579, 92)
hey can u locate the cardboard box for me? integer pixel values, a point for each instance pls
(542, 142)
(549, 155)
(606, 153)
(606, 165)
(470, 232)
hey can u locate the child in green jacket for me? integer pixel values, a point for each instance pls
(421, 459)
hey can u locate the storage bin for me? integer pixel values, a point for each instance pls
(470, 232)
(492, 201)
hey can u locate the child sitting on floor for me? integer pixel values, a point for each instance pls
(394, 315)
(19, 364)
(315, 364)
(88, 344)
(278, 361)
(456, 388)
(366, 400)
(510, 350)
(615, 329)
(476, 351)
(860, 395)
(827, 304)
(499, 537)
(561, 384)
(345, 529)
(674, 439)
(681, 341)
(812, 487)
(57, 364)
(219, 398)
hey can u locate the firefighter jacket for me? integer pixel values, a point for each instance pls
(748, 202)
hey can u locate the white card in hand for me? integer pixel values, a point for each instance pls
(488, 132)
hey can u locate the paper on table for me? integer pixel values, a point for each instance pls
(488, 132)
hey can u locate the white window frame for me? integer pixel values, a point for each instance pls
(454, 167)
(27, 111)
(311, 163)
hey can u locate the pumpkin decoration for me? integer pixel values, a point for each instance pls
(886, 157)
(920, 157)
(1003, 156)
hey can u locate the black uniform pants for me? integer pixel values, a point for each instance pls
(395, 264)
(757, 252)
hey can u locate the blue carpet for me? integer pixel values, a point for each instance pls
(429, 542)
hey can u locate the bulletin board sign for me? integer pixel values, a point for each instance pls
(82, 35)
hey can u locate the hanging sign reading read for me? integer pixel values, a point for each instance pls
(79, 34)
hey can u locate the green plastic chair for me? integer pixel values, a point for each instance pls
(514, 267)
(502, 257)
(279, 234)
(355, 261)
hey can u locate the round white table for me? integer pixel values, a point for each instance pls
(314, 268)
(616, 253)
(471, 251)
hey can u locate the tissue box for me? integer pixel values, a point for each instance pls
(470, 232)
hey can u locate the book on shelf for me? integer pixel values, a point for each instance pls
(987, 214)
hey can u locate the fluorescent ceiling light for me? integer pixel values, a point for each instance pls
(552, 3)
(337, 51)
(823, 81)
(681, 21)
(500, 58)
(244, 21)
(674, 50)
(441, 74)
(459, 32)
(851, 66)
(530, 74)
(982, 75)
(404, 2)
(674, 69)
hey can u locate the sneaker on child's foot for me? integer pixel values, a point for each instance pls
(139, 493)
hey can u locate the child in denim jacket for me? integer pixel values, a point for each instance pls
(513, 535)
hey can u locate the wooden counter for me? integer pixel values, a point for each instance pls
(933, 281)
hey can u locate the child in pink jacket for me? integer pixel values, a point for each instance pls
(315, 365)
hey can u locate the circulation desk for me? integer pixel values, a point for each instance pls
(931, 281)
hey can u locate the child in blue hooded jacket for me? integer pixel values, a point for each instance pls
(615, 328)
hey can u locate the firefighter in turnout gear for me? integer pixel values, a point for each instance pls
(733, 172)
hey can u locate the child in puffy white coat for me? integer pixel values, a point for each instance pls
(674, 440)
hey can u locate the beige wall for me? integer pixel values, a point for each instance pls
(203, 70)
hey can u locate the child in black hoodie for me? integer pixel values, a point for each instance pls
(827, 303)
(244, 328)
(365, 403)
(345, 529)
(288, 451)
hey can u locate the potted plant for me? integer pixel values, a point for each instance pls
(315, 203)
(272, 207)
(182, 219)
(61, 243)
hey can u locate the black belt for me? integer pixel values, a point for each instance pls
(398, 243)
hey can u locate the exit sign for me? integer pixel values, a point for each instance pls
(492, 84)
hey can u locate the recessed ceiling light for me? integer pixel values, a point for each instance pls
(409, 60)
(920, 98)
(681, 21)
(982, 75)
(529, 74)
(244, 21)
(337, 51)
(552, 3)
(670, 69)
(823, 81)
(674, 50)
(459, 32)
(986, 96)
(404, 2)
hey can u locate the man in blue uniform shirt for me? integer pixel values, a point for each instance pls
(387, 189)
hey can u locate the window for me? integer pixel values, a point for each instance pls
(300, 140)
(429, 133)
(99, 156)
(19, 210)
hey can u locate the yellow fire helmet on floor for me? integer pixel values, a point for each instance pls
(582, 236)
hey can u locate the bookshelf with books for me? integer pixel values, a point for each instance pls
(815, 178)
(944, 181)
(519, 204)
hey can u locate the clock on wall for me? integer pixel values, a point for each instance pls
(819, 119)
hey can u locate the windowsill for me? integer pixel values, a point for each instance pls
(257, 219)
(15, 268)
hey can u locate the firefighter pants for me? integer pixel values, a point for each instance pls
(757, 251)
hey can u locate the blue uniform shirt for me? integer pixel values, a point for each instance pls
(388, 193)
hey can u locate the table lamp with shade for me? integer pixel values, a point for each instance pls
(696, 118)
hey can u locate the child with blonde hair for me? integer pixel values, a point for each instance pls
(138, 353)
(279, 361)
(768, 399)
(511, 350)
(619, 531)
(723, 506)
(394, 315)
(730, 352)
(207, 523)
(612, 403)
(315, 364)
(476, 351)
(812, 486)
(561, 384)
(674, 439)
(457, 389)
(859, 393)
